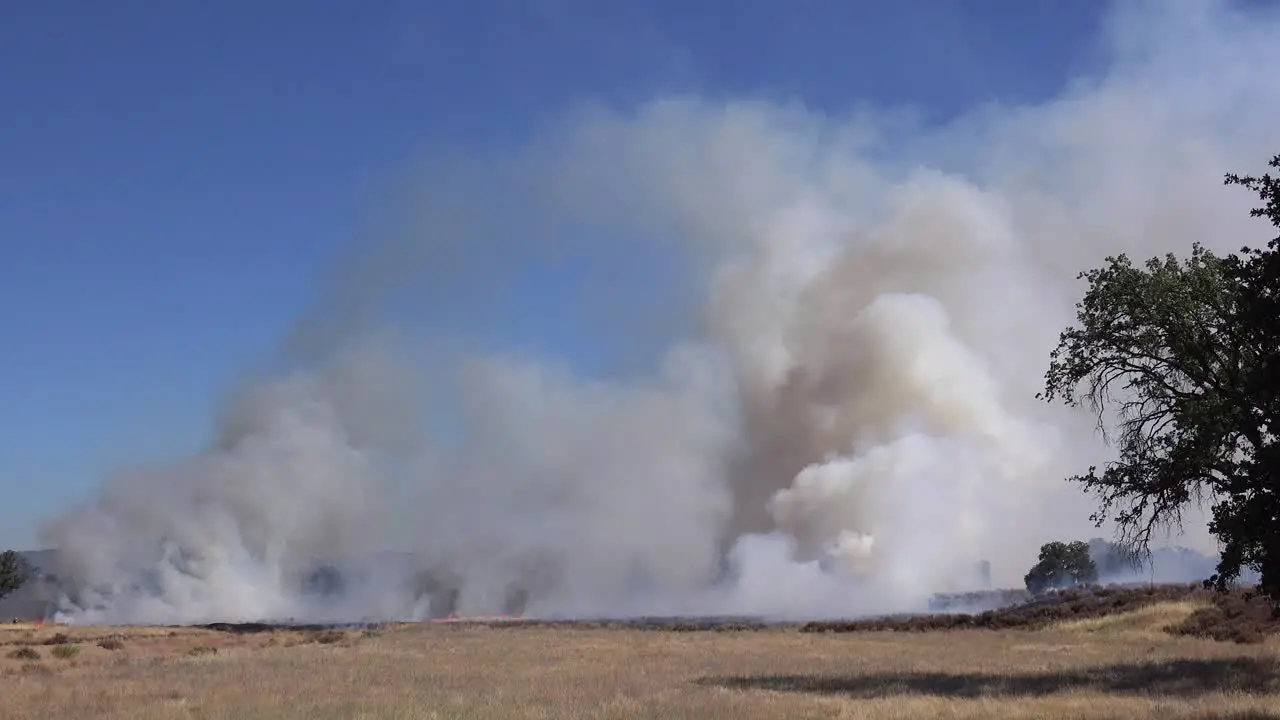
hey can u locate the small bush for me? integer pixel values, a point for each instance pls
(59, 639)
(203, 650)
(25, 653)
(111, 643)
(65, 652)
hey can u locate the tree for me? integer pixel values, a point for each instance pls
(14, 572)
(1178, 360)
(1061, 565)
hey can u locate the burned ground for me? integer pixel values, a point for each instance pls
(1239, 616)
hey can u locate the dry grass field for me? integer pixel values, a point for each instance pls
(1118, 666)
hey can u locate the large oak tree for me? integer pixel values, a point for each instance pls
(1061, 565)
(1180, 360)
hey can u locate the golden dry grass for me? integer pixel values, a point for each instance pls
(1117, 668)
(1152, 620)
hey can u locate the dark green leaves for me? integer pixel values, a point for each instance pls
(1061, 565)
(1180, 362)
(14, 572)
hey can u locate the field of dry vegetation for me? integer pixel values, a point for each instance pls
(1124, 663)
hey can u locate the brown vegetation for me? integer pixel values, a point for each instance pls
(111, 643)
(1109, 666)
(65, 652)
(1240, 616)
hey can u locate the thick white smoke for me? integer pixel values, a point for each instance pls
(847, 426)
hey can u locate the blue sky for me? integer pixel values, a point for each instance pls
(175, 175)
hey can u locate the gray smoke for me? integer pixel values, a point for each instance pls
(1168, 564)
(840, 419)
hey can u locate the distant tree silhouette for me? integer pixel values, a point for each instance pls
(1061, 565)
(14, 572)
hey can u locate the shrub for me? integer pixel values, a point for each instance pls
(65, 652)
(111, 643)
(1238, 616)
(329, 637)
(25, 653)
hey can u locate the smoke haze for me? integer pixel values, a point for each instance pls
(851, 316)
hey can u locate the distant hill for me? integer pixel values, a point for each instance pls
(40, 559)
(1168, 564)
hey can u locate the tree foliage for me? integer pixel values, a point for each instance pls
(1061, 565)
(1178, 359)
(14, 572)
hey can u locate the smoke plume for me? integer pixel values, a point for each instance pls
(833, 329)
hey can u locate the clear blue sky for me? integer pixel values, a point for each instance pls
(174, 174)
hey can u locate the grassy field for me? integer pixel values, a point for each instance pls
(1118, 666)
